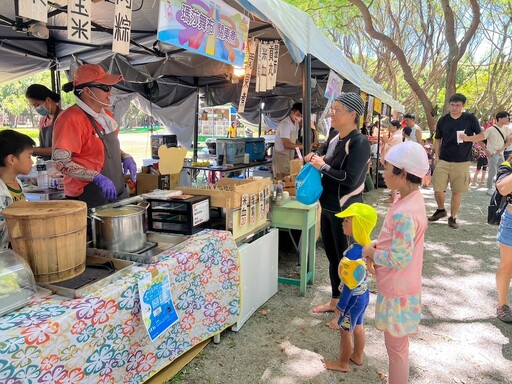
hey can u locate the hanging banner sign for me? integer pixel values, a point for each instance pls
(79, 21)
(35, 10)
(206, 27)
(249, 63)
(369, 109)
(334, 86)
(262, 67)
(266, 69)
(324, 122)
(122, 27)
(271, 69)
(275, 63)
(157, 309)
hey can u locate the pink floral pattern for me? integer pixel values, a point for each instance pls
(101, 338)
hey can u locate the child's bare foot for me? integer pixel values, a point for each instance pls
(333, 324)
(322, 308)
(356, 360)
(336, 365)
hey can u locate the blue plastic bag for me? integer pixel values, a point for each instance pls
(309, 185)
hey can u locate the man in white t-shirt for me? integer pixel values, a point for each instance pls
(410, 121)
(498, 139)
(285, 142)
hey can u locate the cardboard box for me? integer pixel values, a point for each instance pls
(228, 192)
(149, 182)
(296, 166)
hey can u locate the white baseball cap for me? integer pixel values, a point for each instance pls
(409, 156)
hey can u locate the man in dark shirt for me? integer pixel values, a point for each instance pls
(455, 133)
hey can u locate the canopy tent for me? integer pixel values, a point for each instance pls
(178, 73)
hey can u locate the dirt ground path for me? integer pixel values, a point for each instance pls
(459, 341)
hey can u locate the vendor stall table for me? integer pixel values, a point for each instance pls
(223, 170)
(102, 339)
(293, 215)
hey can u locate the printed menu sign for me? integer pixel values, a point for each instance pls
(157, 308)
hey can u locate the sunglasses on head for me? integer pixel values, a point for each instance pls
(103, 87)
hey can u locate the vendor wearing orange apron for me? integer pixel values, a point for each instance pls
(86, 148)
(286, 142)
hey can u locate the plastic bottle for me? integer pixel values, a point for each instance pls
(42, 174)
(279, 190)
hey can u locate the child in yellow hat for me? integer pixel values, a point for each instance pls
(359, 221)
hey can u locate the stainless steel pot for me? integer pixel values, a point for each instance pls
(121, 229)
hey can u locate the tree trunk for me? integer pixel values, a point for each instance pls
(402, 60)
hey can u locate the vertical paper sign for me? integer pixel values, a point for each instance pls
(207, 27)
(157, 308)
(261, 81)
(334, 86)
(243, 210)
(249, 63)
(325, 119)
(369, 110)
(34, 9)
(270, 66)
(79, 21)
(252, 209)
(122, 27)
(277, 47)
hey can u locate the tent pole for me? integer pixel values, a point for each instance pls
(196, 121)
(306, 105)
(54, 74)
(260, 112)
(378, 156)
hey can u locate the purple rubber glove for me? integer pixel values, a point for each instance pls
(130, 166)
(106, 185)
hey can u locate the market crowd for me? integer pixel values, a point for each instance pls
(83, 144)
(409, 162)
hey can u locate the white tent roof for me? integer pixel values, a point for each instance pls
(302, 37)
(23, 54)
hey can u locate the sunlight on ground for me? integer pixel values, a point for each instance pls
(300, 363)
(445, 343)
(300, 322)
(447, 298)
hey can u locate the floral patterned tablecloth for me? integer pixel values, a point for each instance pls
(101, 338)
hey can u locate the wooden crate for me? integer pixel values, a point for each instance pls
(227, 193)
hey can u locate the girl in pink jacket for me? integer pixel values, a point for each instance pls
(397, 256)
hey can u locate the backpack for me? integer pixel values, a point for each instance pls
(498, 202)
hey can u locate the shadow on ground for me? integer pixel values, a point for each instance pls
(460, 340)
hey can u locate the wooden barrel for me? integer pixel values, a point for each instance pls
(50, 236)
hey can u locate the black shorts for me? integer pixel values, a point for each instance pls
(481, 163)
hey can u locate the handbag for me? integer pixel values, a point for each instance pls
(309, 185)
(496, 207)
(498, 202)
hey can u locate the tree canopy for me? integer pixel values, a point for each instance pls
(424, 51)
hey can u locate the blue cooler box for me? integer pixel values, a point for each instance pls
(255, 147)
(232, 149)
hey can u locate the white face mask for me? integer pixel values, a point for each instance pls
(98, 101)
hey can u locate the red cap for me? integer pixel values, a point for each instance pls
(93, 73)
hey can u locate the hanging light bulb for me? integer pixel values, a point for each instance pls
(238, 72)
(39, 30)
